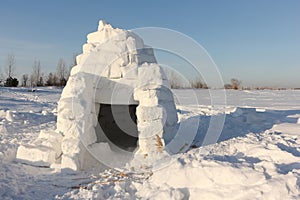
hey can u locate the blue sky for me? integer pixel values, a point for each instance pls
(255, 41)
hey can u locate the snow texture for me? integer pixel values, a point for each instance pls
(253, 159)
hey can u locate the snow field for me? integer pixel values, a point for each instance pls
(256, 157)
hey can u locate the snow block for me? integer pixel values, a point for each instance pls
(152, 145)
(36, 155)
(87, 48)
(133, 44)
(151, 74)
(153, 97)
(150, 129)
(44, 151)
(102, 24)
(108, 33)
(115, 91)
(130, 71)
(115, 71)
(150, 114)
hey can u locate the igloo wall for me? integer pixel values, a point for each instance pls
(115, 69)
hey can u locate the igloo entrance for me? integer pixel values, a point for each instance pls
(118, 126)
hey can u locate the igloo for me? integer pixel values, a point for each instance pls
(117, 98)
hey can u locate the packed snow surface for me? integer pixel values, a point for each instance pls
(257, 155)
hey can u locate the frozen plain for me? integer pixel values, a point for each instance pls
(257, 155)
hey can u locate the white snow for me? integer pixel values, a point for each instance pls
(256, 157)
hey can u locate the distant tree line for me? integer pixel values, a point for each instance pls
(36, 78)
(179, 82)
(60, 77)
(10, 80)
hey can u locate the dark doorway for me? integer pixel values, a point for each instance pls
(119, 124)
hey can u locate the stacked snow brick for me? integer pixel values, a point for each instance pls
(43, 151)
(156, 112)
(114, 68)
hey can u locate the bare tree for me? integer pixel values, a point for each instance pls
(32, 80)
(50, 81)
(62, 72)
(175, 81)
(36, 73)
(235, 83)
(1, 77)
(73, 64)
(10, 69)
(55, 80)
(25, 79)
(74, 61)
(41, 81)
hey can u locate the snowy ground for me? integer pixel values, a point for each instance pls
(257, 155)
